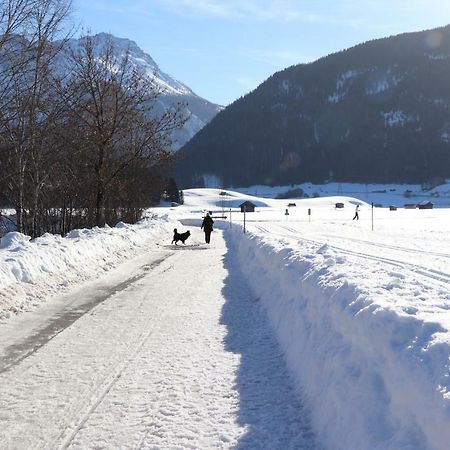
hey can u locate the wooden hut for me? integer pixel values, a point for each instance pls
(247, 206)
(425, 205)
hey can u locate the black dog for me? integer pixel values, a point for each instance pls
(180, 236)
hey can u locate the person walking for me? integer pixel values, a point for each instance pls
(207, 226)
(356, 216)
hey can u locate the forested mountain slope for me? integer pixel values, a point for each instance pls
(377, 112)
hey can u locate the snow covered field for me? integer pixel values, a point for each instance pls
(202, 346)
(383, 194)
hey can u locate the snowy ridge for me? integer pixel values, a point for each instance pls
(139, 60)
(380, 194)
(376, 374)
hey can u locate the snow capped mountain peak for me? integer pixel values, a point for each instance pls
(146, 64)
(123, 45)
(173, 91)
(139, 60)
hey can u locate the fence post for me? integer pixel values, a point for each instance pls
(372, 216)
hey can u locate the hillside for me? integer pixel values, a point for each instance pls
(377, 112)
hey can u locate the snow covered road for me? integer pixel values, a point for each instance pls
(307, 330)
(171, 351)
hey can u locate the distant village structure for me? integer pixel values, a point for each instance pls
(425, 205)
(247, 206)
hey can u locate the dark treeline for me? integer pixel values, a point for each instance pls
(81, 144)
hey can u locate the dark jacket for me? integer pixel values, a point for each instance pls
(207, 223)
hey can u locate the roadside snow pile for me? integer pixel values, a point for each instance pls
(14, 239)
(376, 374)
(31, 271)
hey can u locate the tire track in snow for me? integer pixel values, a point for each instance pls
(173, 361)
(76, 404)
(182, 378)
(103, 390)
(389, 246)
(210, 376)
(66, 437)
(442, 278)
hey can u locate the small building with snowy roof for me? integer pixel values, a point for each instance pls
(425, 205)
(247, 206)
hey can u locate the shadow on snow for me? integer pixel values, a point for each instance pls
(268, 405)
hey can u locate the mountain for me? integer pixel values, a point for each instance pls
(199, 110)
(377, 112)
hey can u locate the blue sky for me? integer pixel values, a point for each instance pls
(223, 49)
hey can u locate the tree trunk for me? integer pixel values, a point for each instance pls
(20, 199)
(100, 206)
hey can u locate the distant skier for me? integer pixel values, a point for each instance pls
(356, 216)
(207, 226)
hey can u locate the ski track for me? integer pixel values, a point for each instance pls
(388, 246)
(441, 279)
(183, 357)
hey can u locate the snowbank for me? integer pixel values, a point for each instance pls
(375, 377)
(31, 271)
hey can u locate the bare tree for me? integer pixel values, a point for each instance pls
(113, 109)
(30, 106)
(14, 15)
(81, 139)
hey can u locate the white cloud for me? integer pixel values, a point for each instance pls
(351, 13)
(262, 10)
(141, 7)
(214, 8)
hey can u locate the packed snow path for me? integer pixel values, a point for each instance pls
(170, 351)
